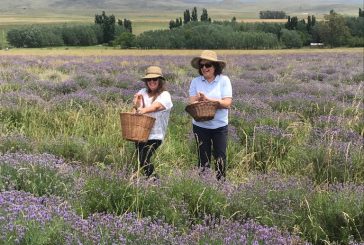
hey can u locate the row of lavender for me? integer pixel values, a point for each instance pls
(35, 219)
(299, 114)
(69, 203)
(311, 105)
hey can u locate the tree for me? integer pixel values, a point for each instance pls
(268, 14)
(204, 16)
(194, 14)
(15, 37)
(333, 31)
(127, 25)
(125, 40)
(361, 13)
(311, 21)
(291, 23)
(186, 16)
(172, 24)
(176, 23)
(291, 39)
(108, 25)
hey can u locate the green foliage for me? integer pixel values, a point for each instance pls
(325, 164)
(361, 13)
(69, 148)
(269, 14)
(11, 118)
(291, 39)
(51, 233)
(41, 181)
(182, 202)
(113, 196)
(330, 216)
(103, 195)
(333, 31)
(265, 201)
(267, 150)
(35, 37)
(14, 143)
(291, 23)
(38, 36)
(80, 35)
(107, 24)
(205, 15)
(186, 16)
(206, 36)
(201, 200)
(126, 24)
(194, 16)
(175, 24)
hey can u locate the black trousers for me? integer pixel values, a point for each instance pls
(215, 140)
(145, 151)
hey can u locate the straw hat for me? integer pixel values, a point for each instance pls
(153, 72)
(207, 55)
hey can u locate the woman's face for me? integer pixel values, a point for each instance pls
(207, 68)
(153, 84)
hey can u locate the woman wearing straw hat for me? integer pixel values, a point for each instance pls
(211, 85)
(154, 101)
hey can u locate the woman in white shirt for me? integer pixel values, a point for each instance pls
(154, 101)
(211, 85)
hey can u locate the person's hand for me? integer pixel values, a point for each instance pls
(201, 97)
(137, 101)
(140, 110)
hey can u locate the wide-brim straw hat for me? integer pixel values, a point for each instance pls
(207, 55)
(153, 72)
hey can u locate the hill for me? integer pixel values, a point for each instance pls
(158, 7)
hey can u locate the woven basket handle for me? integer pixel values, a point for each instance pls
(143, 103)
(140, 103)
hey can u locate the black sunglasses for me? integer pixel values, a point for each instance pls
(207, 65)
(152, 79)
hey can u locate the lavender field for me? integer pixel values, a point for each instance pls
(295, 170)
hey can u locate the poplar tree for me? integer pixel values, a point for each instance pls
(194, 14)
(204, 15)
(186, 16)
(107, 24)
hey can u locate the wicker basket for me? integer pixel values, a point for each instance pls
(136, 127)
(202, 111)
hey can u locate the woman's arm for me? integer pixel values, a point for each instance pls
(224, 103)
(156, 106)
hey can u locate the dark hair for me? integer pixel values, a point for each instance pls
(217, 66)
(160, 89)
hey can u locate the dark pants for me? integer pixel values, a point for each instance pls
(217, 139)
(145, 151)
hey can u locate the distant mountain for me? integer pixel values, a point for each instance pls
(145, 6)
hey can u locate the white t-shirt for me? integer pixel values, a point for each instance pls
(160, 125)
(218, 89)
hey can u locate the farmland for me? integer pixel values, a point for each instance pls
(295, 153)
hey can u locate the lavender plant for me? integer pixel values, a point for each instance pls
(298, 118)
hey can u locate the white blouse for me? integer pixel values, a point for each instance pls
(160, 126)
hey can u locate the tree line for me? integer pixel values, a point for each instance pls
(334, 31)
(193, 32)
(269, 14)
(105, 31)
(187, 17)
